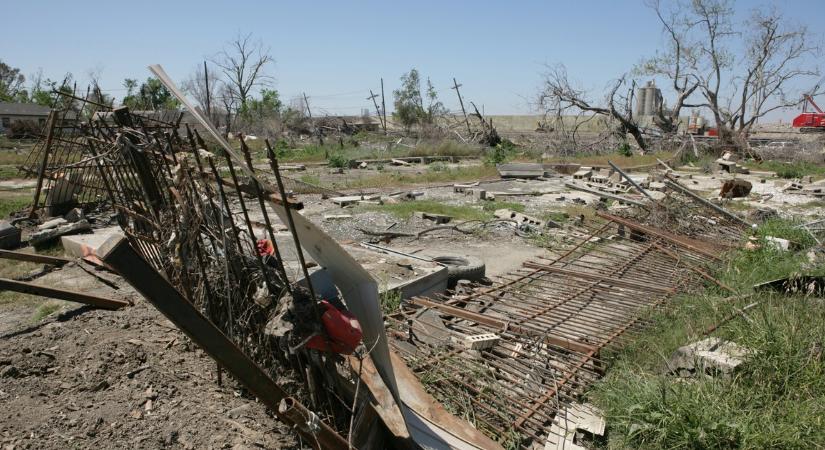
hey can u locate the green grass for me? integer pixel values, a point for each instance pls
(46, 309)
(13, 201)
(789, 169)
(405, 210)
(776, 400)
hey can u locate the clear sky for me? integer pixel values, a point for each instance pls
(336, 51)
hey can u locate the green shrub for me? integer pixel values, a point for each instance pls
(337, 160)
(625, 149)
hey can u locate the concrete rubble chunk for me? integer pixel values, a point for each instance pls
(708, 356)
(521, 219)
(570, 422)
(778, 244)
(353, 199)
(520, 170)
(481, 341)
(460, 188)
(83, 245)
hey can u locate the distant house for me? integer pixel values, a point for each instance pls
(16, 112)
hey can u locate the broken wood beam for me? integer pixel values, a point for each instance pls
(119, 254)
(34, 257)
(558, 341)
(618, 282)
(61, 294)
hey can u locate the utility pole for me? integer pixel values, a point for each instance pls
(383, 106)
(309, 113)
(377, 111)
(461, 102)
(206, 83)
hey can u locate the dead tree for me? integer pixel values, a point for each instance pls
(742, 71)
(558, 96)
(244, 62)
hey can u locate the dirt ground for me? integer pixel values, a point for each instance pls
(86, 378)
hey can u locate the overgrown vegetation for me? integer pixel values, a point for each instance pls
(790, 170)
(774, 401)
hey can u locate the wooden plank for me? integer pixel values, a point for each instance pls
(34, 257)
(61, 294)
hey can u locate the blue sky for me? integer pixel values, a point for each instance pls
(337, 51)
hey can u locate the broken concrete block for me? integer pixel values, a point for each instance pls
(83, 245)
(363, 165)
(399, 162)
(778, 244)
(9, 236)
(520, 170)
(519, 218)
(353, 199)
(570, 422)
(41, 237)
(481, 341)
(478, 193)
(735, 188)
(711, 355)
(461, 188)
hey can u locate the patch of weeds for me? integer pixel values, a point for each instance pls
(310, 179)
(625, 150)
(437, 166)
(12, 202)
(45, 310)
(774, 398)
(390, 301)
(789, 170)
(337, 160)
(501, 153)
(555, 216)
(495, 205)
(8, 172)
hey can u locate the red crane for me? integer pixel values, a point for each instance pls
(810, 122)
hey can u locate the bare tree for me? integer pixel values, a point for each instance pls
(196, 87)
(741, 72)
(244, 61)
(558, 98)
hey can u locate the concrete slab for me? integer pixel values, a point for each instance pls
(82, 245)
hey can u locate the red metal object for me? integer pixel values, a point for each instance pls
(810, 121)
(343, 331)
(712, 132)
(265, 247)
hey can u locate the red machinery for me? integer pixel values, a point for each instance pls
(810, 122)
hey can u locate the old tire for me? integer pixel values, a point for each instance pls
(461, 268)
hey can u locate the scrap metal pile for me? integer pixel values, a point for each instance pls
(514, 357)
(511, 358)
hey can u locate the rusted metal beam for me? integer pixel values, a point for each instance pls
(676, 186)
(34, 257)
(630, 180)
(618, 282)
(693, 245)
(692, 267)
(502, 325)
(119, 254)
(61, 294)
